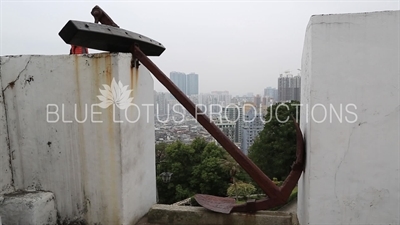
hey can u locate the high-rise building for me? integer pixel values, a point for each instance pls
(227, 127)
(192, 84)
(161, 103)
(234, 113)
(179, 80)
(289, 87)
(257, 101)
(188, 84)
(252, 126)
(264, 101)
(296, 87)
(271, 93)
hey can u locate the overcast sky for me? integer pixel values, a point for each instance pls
(237, 46)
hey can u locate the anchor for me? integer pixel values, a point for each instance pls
(107, 36)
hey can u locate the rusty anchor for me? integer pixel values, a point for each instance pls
(109, 37)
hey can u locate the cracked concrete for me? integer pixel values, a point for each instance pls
(351, 174)
(340, 164)
(12, 83)
(4, 105)
(6, 178)
(93, 169)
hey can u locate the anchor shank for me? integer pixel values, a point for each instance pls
(258, 176)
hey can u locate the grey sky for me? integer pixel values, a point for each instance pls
(236, 46)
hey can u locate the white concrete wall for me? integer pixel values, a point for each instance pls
(6, 184)
(352, 168)
(100, 172)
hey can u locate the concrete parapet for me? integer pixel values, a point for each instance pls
(28, 208)
(187, 215)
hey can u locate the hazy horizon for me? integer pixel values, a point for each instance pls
(238, 47)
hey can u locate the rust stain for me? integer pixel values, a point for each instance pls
(96, 77)
(105, 150)
(100, 147)
(78, 92)
(81, 139)
(134, 79)
(12, 83)
(102, 17)
(108, 69)
(215, 203)
(114, 164)
(111, 153)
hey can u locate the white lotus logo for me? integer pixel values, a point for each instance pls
(116, 94)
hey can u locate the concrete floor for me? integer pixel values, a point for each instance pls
(290, 207)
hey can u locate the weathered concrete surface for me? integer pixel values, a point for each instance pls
(291, 207)
(352, 165)
(187, 215)
(29, 209)
(6, 184)
(99, 165)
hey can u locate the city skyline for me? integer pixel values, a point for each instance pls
(187, 83)
(234, 46)
(182, 80)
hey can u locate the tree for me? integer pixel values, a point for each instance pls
(274, 150)
(160, 152)
(179, 159)
(235, 171)
(241, 189)
(230, 165)
(195, 167)
(208, 177)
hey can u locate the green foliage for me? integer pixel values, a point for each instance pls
(208, 176)
(206, 168)
(276, 181)
(241, 189)
(293, 195)
(195, 167)
(235, 171)
(274, 150)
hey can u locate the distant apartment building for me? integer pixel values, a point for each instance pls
(271, 93)
(188, 84)
(252, 126)
(179, 79)
(265, 101)
(192, 84)
(296, 84)
(161, 100)
(257, 101)
(289, 87)
(221, 97)
(227, 127)
(234, 113)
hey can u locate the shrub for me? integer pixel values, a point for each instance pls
(240, 189)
